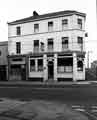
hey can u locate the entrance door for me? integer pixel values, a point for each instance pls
(3, 73)
(23, 72)
(50, 70)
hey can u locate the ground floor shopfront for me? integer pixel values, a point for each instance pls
(48, 67)
(17, 68)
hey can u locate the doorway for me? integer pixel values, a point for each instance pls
(3, 73)
(50, 70)
(18, 72)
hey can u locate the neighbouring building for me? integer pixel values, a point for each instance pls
(94, 64)
(3, 61)
(49, 47)
(94, 67)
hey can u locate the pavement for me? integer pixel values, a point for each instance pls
(37, 110)
(45, 84)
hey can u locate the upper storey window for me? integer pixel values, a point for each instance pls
(64, 23)
(18, 47)
(36, 28)
(36, 46)
(80, 42)
(64, 43)
(18, 30)
(50, 44)
(50, 26)
(79, 21)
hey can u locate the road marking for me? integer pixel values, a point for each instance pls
(94, 107)
(94, 110)
(90, 114)
(83, 109)
(77, 106)
(80, 109)
(83, 83)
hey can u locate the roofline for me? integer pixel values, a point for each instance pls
(49, 17)
(3, 43)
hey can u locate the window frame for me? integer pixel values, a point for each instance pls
(18, 47)
(36, 28)
(39, 70)
(18, 30)
(62, 65)
(49, 41)
(79, 22)
(79, 68)
(65, 42)
(80, 40)
(36, 47)
(65, 22)
(50, 26)
(32, 70)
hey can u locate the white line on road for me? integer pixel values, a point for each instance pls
(94, 110)
(91, 115)
(79, 109)
(94, 107)
(77, 106)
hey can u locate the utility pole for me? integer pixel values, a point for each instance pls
(96, 11)
(88, 58)
(96, 31)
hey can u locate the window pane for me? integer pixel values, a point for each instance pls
(65, 64)
(80, 65)
(79, 21)
(40, 64)
(36, 45)
(18, 30)
(50, 26)
(64, 42)
(18, 47)
(50, 44)
(80, 40)
(42, 46)
(65, 22)
(32, 65)
(36, 42)
(50, 23)
(36, 28)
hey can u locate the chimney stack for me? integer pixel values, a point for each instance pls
(35, 14)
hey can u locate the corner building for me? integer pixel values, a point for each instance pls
(49, 47)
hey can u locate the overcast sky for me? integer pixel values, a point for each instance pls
(15, 9)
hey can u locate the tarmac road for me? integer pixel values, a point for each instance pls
(72, 94)
(78, 95)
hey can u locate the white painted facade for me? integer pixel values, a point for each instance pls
(72, 31)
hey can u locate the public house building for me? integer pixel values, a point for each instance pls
(48, 47)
